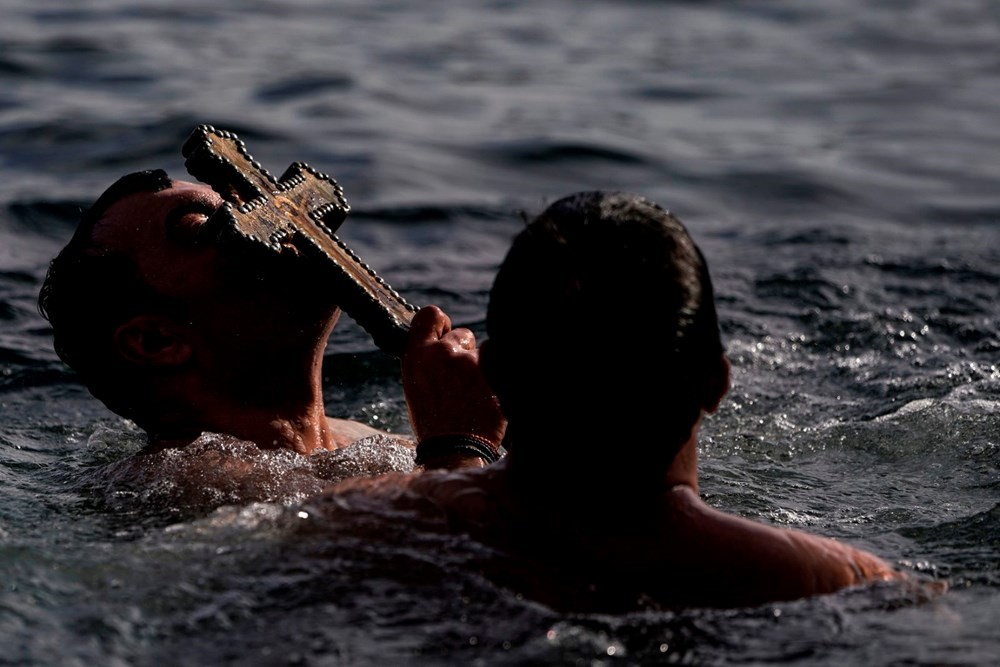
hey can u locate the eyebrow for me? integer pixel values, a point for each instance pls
(178, 233)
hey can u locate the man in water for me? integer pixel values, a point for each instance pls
(604, 351)
(183, 340)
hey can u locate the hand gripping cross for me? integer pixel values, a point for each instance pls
(295, 216)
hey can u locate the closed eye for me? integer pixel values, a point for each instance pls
(183, 225)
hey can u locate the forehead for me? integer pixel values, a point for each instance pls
(138, 219)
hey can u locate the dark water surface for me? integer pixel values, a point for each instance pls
(837, 162)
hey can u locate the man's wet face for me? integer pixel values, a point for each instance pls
(161, 231)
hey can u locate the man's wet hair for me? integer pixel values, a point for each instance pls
(90, 290)
(601, 296)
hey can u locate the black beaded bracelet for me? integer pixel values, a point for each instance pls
(442, 445)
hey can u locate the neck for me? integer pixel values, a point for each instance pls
(574, 480)
(277, 405)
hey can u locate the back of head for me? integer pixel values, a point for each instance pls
(602, 324)
(89, 290)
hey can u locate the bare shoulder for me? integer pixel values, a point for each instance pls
(346, 431)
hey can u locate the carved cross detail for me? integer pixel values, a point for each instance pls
(296, 214)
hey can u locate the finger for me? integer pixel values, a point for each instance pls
(462, 338)
(428, 325)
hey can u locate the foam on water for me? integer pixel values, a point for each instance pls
(217, 470)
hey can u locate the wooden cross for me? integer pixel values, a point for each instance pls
(294, 215)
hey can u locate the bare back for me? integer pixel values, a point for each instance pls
(682, 554)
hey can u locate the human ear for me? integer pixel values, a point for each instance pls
(152, 340)
(718, 385)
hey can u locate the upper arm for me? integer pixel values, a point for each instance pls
(770, 563)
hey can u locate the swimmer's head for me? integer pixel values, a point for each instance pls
(604, 305)
(138, 289)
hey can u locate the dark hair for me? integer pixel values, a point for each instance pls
(601, 295)
(90, 290)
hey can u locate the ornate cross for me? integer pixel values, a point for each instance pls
(296, 214)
